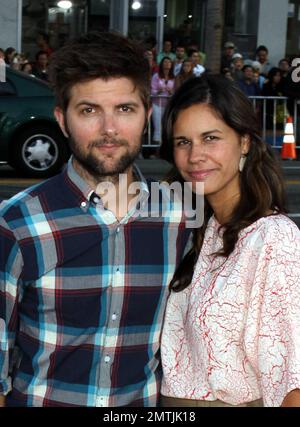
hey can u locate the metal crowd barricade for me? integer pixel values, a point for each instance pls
(272, 130)
(274, 134)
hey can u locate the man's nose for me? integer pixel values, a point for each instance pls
(109, 125)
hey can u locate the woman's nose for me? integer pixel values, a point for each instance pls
(197, 153)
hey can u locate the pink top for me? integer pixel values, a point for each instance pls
(158, 84)
(234, 333)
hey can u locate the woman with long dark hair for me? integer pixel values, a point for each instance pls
(185, 73)
(232, 326)
(274, 87)
(162, 87)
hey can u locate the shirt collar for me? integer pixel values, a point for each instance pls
(79, 182)
(87, 194)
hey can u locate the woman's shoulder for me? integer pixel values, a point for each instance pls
(275, 221)
(275, 229)
(155, 76)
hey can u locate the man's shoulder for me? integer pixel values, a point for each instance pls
(18, 202)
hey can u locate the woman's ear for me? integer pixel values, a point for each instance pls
(245, 144)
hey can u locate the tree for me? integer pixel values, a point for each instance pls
(214, 34)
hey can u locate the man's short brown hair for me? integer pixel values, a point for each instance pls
(102, 55)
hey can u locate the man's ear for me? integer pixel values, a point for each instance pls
(147, 120)
(149, 114)
(60, 118)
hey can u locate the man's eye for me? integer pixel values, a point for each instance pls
(88, 110)
(125, 109)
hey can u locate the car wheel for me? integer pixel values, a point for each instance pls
(40, 152)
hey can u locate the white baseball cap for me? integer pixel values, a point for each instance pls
(236, 56)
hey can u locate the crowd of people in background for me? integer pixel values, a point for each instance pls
(257, 76)
(174, 64)
(21, 61)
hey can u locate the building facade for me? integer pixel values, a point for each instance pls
(248, 23)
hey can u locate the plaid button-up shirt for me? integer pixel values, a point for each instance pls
(82, 296)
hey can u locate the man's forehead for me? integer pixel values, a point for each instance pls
(113, 89)
(111, 84)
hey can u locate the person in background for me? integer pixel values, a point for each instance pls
(193, 45)
(185, 73)
(237, 67)
(16, 62)
(262, 53)
(26, 68)
(291, 88)
(231, 334)
(2, 53)
(162, 87)
(42, 42)
(166, 52)
(150, 57)
(274, 87)
(150, 43)
(40, 68)
(10, 53)
(258, 78)
(180, 57)
(84, 282)
(194, 57)
(226, 59)
(247, 84)
(227, 74)
(284, 66)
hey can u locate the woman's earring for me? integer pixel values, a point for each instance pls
(242, 162)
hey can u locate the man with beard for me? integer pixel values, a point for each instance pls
(83, 280)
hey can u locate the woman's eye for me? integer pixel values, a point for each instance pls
(182, 143)
(210, 138)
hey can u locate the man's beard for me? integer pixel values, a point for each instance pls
(98, 168)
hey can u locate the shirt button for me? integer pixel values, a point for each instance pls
(83, 204)
(107, 359)
(118, 230)
(114, 317)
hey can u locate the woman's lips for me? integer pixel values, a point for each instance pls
(201, 175)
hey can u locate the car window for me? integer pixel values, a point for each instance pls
(6, 88)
